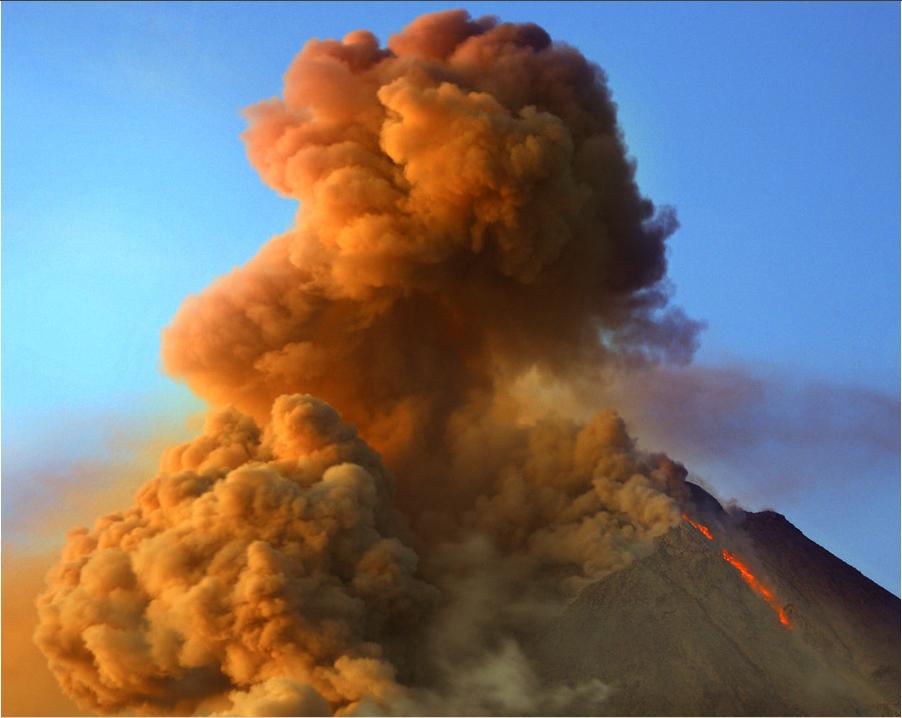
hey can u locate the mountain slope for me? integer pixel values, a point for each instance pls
(680, 632)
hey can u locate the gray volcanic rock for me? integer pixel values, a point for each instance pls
(680, 632)
(850, 620)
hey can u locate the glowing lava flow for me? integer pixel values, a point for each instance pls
(747, 576)
(756, 586)
(701, 528)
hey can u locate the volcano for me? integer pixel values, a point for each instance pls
(680, 632)
(393, 507)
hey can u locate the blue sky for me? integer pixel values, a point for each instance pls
(772, 128)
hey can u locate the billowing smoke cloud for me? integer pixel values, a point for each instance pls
(252, 557)
(468, 211)
(468, 215)
(269, 569)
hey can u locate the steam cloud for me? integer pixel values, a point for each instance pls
(468, 215)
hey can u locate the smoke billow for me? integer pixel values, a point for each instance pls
(469, 215)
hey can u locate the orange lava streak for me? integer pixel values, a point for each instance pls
(746, 574)
(700, 527)
(757, 586)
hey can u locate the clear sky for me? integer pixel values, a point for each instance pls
(772, 128)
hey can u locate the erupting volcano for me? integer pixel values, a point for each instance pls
(377, 517)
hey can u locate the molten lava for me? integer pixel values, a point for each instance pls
(699, 527)
(746, 574)
(757, 586)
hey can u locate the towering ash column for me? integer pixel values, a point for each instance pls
(368, 491)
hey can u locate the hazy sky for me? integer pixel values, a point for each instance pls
(773, 130)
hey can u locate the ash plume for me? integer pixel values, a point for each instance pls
(369, 490)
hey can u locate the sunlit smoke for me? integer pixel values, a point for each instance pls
(372, 519)
(468, 213)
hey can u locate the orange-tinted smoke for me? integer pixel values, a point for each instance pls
(468, 212)
(256, 568)
(266, 572)
(468, 215)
